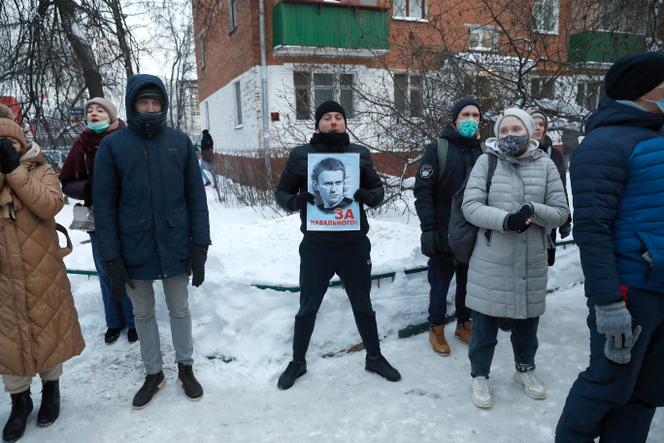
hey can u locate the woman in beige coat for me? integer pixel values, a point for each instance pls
(39, 327)
(507, 274)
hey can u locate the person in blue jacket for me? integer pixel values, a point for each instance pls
(617, 176)
(152, 223)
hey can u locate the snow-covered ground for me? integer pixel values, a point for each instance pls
(242, 339)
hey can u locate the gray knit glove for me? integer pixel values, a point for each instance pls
(615, 321)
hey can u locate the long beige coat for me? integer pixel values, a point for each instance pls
(38, 320)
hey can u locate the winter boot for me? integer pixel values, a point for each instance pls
(294, 370)
(379, 365)
(192, 388)
(464, 331)
(482, 393)
(531, 384)
(112, 334)
(152, 384)
(438, 340)
(18, 418)
(132, 335)
(49, 411)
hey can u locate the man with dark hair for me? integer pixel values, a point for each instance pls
(152, 224)
(324, 253)
(329, 182)
(207, 157)
(617, 176)
(435, 185)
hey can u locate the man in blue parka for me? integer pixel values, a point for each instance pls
(617, 178)
(152, 224)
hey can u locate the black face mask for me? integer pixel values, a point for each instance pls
(150, 124)
(331, 139)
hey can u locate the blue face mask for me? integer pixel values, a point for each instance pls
(98, 127)
(468, 127)
(659, 103)
(513, 145)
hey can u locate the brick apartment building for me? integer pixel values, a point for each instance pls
(317, 50)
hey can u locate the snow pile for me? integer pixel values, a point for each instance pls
(242, 339)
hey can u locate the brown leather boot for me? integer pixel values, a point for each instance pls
(464, 331)
(438, 341)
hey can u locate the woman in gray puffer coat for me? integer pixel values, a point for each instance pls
(507, 277)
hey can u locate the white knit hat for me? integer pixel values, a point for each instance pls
(522, 115)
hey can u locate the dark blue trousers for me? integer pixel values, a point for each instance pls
(617, 402)
(319, 261)
(118, 315)
(484, 340)
(441, 271)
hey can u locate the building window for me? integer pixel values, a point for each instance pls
(625, 16)
(482, 38)
(588, 94)
(232, 15)
(238, 105)
(415, 9)
(320, 87)
(201, 44)
(408, 94)
(542, 88)
(545, 16)
(302, 82)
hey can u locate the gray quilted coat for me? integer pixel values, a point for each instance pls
(508, 271)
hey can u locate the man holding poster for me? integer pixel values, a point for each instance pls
(317, 181)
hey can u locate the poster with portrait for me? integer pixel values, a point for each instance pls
(333, 180)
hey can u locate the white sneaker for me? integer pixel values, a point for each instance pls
(531, 384)
(482, 393)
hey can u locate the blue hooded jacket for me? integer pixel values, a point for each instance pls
(149, 201)
(617, 175)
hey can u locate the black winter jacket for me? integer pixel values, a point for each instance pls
(433, 196)
(294, 180)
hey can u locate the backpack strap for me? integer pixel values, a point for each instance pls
(442, 156)
(493, 162)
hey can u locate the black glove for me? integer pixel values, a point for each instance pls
(198, 259)
(364, 196)
(429, 240)
(302, 199)
(566, 229)
(119, 278)
(9, 158)
(517, 221)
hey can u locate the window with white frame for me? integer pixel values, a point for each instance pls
(408, 94)
(588, 93)
(238, 104)
(415, 9)
(542, 88)
(311, 90)
(232, 15)
(482, 38)
(545, 16)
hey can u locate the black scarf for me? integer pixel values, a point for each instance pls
(149, 124)
(336, 141)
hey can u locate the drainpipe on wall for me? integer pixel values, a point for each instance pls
(264, 104)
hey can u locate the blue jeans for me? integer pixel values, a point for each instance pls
(484, 340)
(212, 168)
(118, 315)
(617, 402)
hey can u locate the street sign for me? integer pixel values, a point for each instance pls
(76, 112)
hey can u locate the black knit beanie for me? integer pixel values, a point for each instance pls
(328, 106)
(149, 92)
(634, 75)
(458, 106)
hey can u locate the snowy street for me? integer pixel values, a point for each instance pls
(242, 341)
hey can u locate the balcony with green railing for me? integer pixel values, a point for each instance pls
(316, 28)
(602, 46)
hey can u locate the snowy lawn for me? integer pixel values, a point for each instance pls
(242, 339)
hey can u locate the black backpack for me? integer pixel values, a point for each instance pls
(462, 235)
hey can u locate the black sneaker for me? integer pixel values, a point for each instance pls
(49, 411)
(379, 365)
(152, 384)
(192, 388)
(18, 419)
(294, 370)
(132, 335)
(112, 334)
